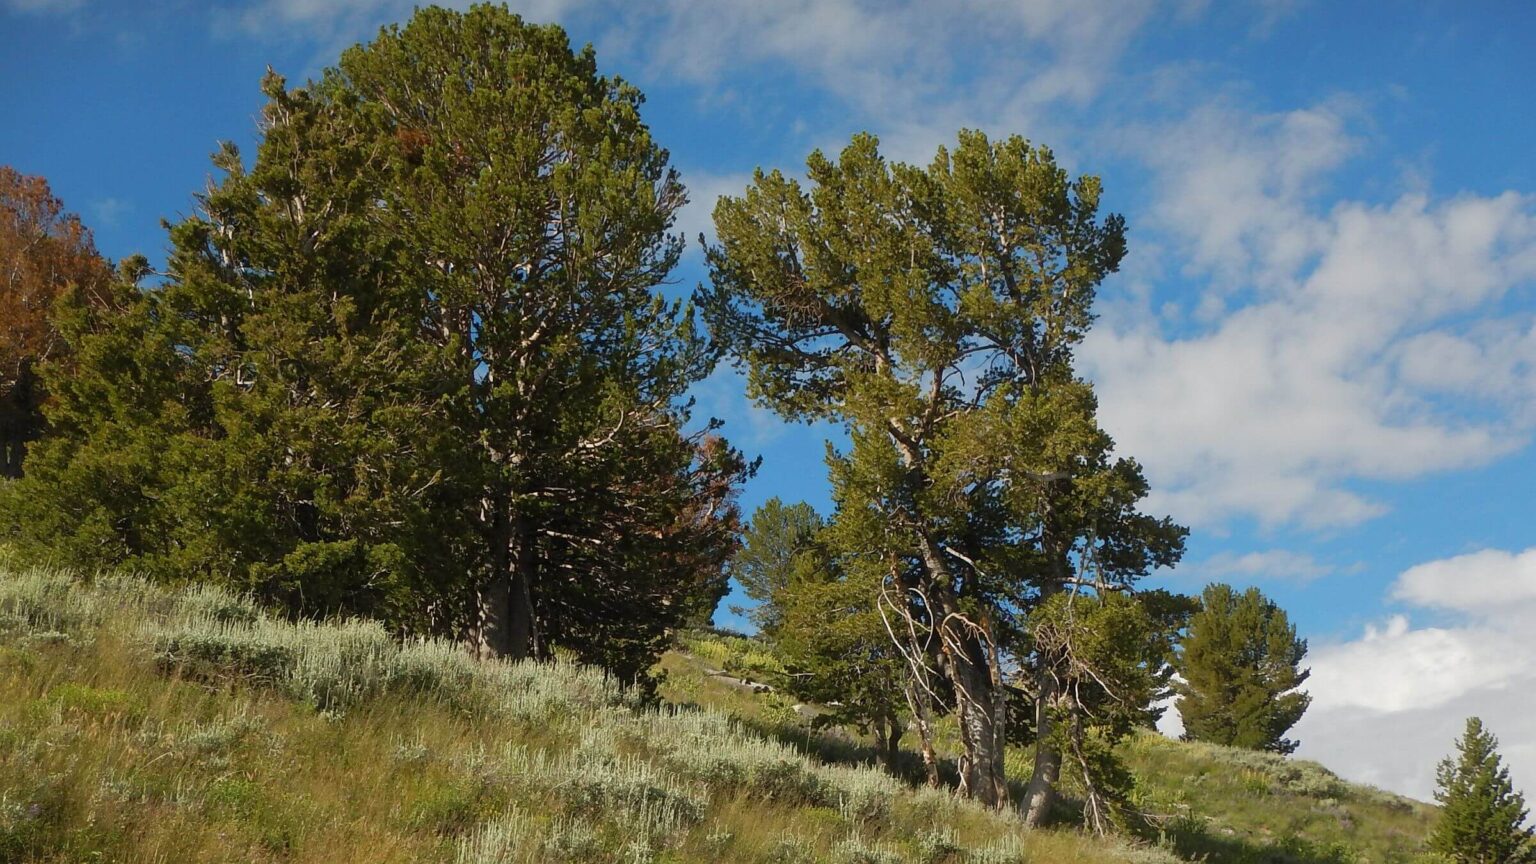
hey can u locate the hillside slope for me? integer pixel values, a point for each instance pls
(1211, 803)
(138, 724)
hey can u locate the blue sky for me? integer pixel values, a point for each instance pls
(1322, 346)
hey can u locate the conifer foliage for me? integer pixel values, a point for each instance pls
(781, 546)
(1240, 665)
(412, 361)
(1483, 817)
(933, 313)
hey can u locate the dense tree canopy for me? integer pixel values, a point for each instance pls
(412, 361)
(1240, 665)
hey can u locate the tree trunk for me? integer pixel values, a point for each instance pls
(966, 649)
(523, 628)
(506, 627)
(979, 701)
(888, 741)
(493, 637)
(981, 766)
(1040, 797)
(922, 717)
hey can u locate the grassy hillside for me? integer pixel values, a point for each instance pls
(1209, 803)
(140, 725)
(143, 725)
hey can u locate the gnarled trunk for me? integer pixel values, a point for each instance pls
(982, 775)
(967, 650)
(922, 718)
(1040, 797)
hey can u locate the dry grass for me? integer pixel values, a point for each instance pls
(142, 725)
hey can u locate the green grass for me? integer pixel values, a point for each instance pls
(1206, 803)
(1226, 803)
(145, 725)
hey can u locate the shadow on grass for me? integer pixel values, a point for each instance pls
(1191, 839)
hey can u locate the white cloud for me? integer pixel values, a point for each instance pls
(881, 57)
(913, 71)
(334, 24)
(1264, 565)
(723, 395)
(1489, 581)
(1387, 705)
(1234, 187)
(1398, 668)
(1294, 377)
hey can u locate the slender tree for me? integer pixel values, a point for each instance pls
(1240, 665)
(1100, 651)
(1482, 817)
(837, 653)
(779, 547)
(933, 313)
(43, 252)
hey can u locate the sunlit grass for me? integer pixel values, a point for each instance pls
(140, 724)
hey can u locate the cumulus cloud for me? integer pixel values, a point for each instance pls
(1387, 704)
(1489, 581)
(914, 71)
(1293, 376)
(883, 58)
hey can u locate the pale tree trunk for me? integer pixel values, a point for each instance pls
(981, 767)
(966, 650)
(922, 718)
(493, 637)
(1040, 797)
(888, 741)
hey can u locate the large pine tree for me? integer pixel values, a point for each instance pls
(1482, 820)
(1240, 665)
(933, 312)
(413, 361)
